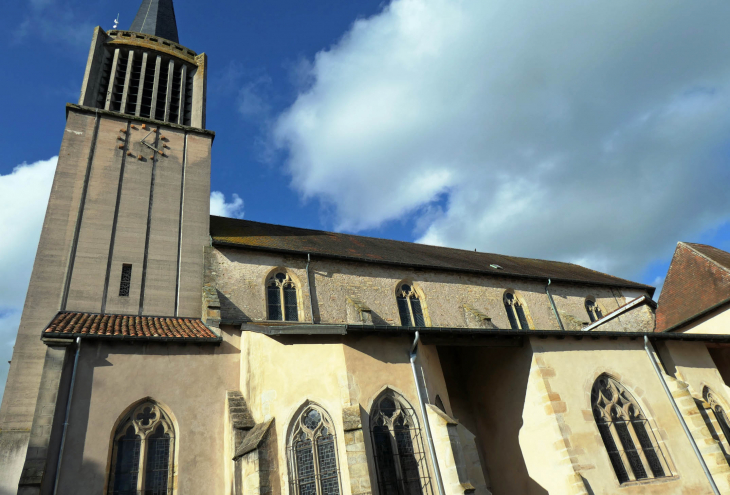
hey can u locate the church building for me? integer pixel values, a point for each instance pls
(163, 350)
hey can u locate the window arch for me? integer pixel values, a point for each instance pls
(594, 311)
(282, 297)
(516, 311)
(400, 459)
(711, 402)
(313, 454)
(626, 433)
(409, 306)
(143, 452)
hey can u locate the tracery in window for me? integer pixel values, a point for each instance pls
(313, 454)
(594, 312)
(143, 451)
(721, 434)
(409, 307)
(400, 459)
(516, 313)
(281, 292)
(626, 433)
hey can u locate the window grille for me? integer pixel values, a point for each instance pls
(626, 433)
(409, 307)
(400, 459)
(282, 298)
(142, 453)
(594, 312)
(125, 281)
(515, 312)
(313, 454)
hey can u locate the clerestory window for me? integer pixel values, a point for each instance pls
(400, 459)
(632, 447)
(313, 454)
(281, 293)
(143, 453)
(409, 307)
(516, 312)
(717, 422)
(594, 312)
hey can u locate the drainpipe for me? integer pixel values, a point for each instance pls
(68, 412)
(649, 353)
(552, 303)
(431, 447)
(309, 288)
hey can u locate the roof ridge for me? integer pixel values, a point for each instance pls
(691, 245)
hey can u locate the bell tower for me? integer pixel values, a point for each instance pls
(127, 218)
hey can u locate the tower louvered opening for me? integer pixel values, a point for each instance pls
(146, 84)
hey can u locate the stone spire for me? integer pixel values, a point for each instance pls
(156, 17)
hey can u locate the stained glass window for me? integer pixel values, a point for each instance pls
(409, 307)
(145, 429)
(621, 423)
(281, 295)
(313, 454)
(398, 446)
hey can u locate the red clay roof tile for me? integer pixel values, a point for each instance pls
(90, 324)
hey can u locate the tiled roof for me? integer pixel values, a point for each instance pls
(128, 326)
(264, 236)
(698, 279)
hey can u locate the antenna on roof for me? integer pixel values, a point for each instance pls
(116, 22)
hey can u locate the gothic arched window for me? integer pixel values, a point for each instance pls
(281, 295)
(515, 312)
(400, 460)
(409, 307)
(143, 450)
(594, 312)
(723, 436)
(313, 454)
(632, 447)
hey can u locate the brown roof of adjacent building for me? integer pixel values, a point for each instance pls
(269, 237)
(74, 324)
(698, 279)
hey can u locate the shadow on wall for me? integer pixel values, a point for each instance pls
(230, 313)
(487, 387)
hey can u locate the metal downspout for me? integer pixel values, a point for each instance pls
(68, 412)
(431, 447)
(309, 288)
(552, 304)
(649, 353)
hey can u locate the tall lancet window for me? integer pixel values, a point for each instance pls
(626, 433)
(400, 459)
(313, 454)
(717, 422)
(143, 451)
(281, 294)
(516, 311)
(594, 312)
(409, 307)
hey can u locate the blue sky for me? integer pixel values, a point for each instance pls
(590, 132)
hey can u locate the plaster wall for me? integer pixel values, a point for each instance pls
(716, 322)
(190, 381)
(241, 276)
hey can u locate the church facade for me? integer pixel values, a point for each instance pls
(166, 351)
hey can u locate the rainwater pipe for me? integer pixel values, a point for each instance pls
(552, 304)
(68, 413)
(649, 348)
(309, 288)
(422, 405)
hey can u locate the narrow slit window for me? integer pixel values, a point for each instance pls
(125, 281)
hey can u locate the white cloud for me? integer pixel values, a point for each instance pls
(23, 198)
(584, 131)
(219, 206)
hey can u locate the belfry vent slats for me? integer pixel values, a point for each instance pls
(146, 84)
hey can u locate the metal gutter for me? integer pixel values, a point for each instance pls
(309, 288)
(68, 413)
(617, 312)
(429, 439)
(502, 273)
(691, 439)
(552, 304)
(131, 338)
